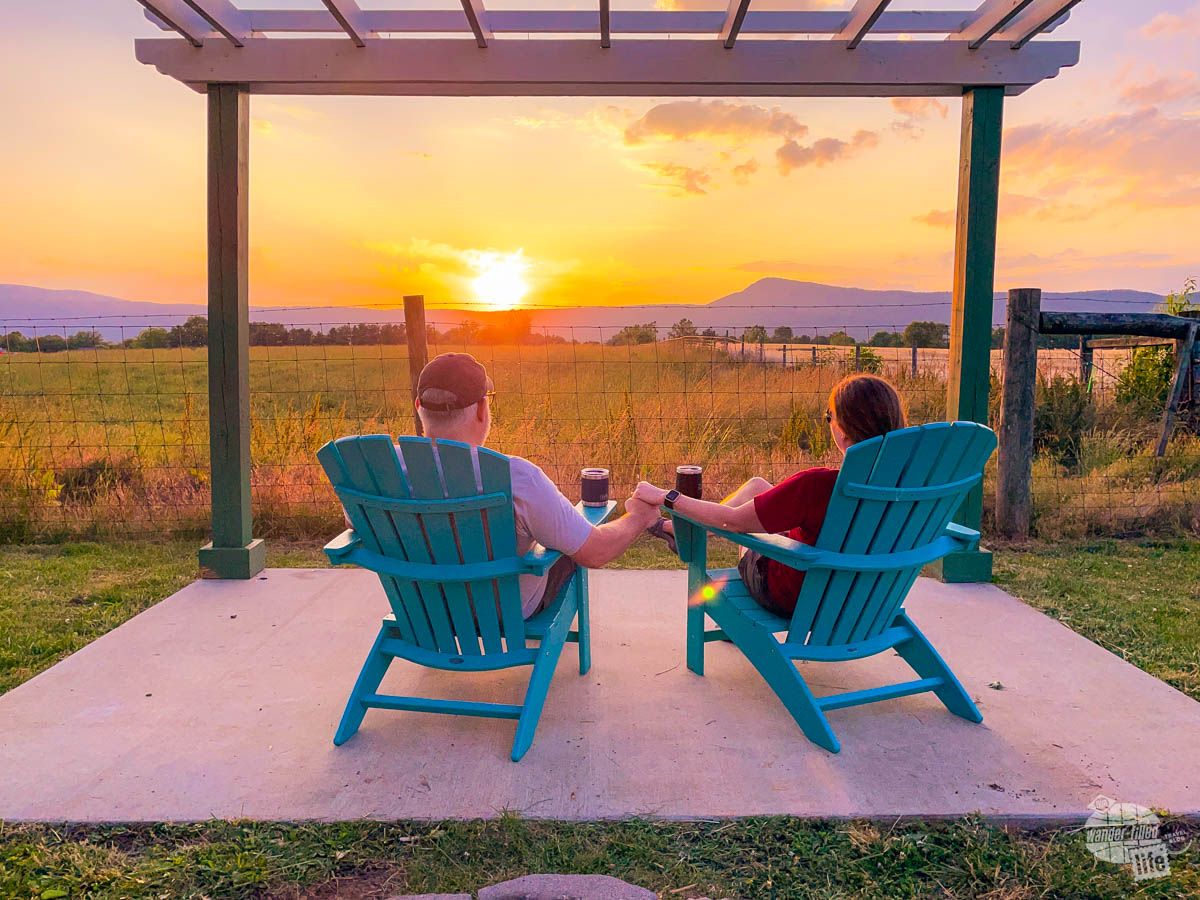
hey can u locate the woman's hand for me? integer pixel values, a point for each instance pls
(648, 493)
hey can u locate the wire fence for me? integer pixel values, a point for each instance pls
(104, 431)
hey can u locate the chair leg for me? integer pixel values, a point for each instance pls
(762, 650)
(372, 673)
(585, 622)
(695, 639)
(926, 662)
(539, 681)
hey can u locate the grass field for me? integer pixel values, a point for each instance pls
(103, 442)
(1138, 599)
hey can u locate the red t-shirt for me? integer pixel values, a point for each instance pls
(795, 507)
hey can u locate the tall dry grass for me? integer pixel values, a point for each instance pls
(115, 441)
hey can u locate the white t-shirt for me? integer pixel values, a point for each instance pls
(543, 517)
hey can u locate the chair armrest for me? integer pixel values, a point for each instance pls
(967, 536)
(597, 515)
(342, 546)
(539, 561)
(803, 557)
(774, 546)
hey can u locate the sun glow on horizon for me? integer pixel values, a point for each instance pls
(500, 280)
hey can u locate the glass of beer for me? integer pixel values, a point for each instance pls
(689, 481)
(593, 487)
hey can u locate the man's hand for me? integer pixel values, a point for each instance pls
(648, 493)
(639, 510)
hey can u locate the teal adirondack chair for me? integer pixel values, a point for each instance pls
(888, 517)
(448, 563)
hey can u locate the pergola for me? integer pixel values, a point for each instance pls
(864, 50)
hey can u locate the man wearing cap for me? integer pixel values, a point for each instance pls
(454, 396)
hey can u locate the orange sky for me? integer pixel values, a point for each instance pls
(360, 200)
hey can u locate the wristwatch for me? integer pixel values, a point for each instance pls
(670, 498)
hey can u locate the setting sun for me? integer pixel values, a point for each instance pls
(500, 279)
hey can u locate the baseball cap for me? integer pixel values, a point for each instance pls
(458, 374)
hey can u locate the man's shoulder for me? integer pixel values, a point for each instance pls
(527, 475)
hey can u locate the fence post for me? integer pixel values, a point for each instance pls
(1014, 472)
(418, 348)
(1086, 353)
(914, 359)
(814, 355)
(858, 357)
(1183, 364)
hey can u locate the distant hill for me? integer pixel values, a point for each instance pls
(804, 306)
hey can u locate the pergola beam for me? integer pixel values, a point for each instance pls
(349, 17)
(225, 18)
(862, 19)
(735, 15)
(477, 19)
(636, 67)
(991, 16)
(174, 15)
(578, 21)
(1042, 16)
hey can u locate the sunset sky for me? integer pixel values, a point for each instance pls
(361, 200)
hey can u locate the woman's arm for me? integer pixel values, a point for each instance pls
(741, 518)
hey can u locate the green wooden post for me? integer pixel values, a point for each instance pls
(974, 284)
(233, 552)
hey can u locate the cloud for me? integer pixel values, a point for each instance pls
(689, 120)
(1168, 25)
(680, 178)
(913, 111)
(936, 218)
(1168, 89)
(1143, 158)
(1011, 205)
(792, 155)
(743, 171)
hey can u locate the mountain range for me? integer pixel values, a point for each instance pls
(806, 307)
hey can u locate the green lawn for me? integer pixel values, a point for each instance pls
(748, 858)
(1139, 599)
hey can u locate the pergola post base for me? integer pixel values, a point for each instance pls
(233, 562)
(965, 567)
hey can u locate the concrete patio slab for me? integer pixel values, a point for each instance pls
(222, 701)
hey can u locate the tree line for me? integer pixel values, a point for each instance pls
(513, 328)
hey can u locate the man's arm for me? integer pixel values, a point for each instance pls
(742, 518)
(610, 540)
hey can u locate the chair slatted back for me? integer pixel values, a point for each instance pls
(894, 493)
(382, 485)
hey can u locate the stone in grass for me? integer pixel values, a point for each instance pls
(431, 897)
(565, 887)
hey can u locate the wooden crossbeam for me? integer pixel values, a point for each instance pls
(735, 15)
(477, 19)
(225, 18)
(349, 17)
(991, 16)
(175, 16)
(579, 21)
(1040, 17)
(605, 23)
(638, 67)
(862, 18)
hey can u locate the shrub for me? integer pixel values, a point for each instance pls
(1143, 384)
(1062, 414)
